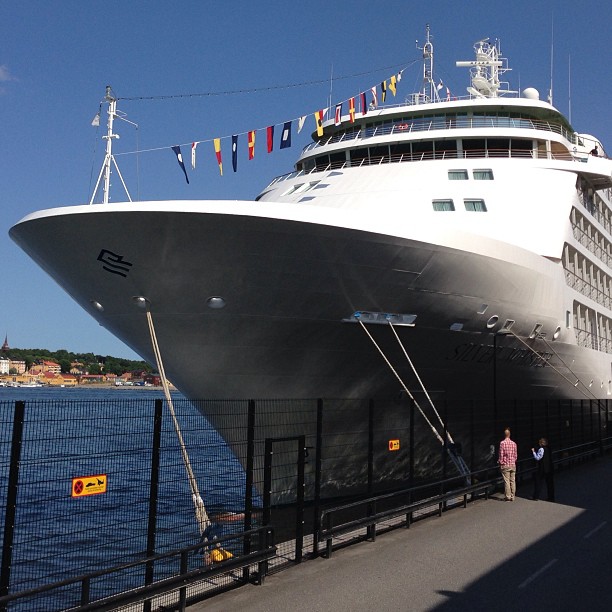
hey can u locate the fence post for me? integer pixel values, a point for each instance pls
(370, 446)
(317, 490)
(411, 442)
(153, 496)
(248, 493)
(11, 499)
(472, 463)
(371, 529)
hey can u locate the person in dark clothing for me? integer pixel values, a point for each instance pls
(544, 471)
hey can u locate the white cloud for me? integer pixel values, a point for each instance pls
(5, 75)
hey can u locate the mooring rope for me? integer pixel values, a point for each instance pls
(450, 438)
(435, 431)
(547, 363)
(198, 502)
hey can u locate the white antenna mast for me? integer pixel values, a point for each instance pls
(428, 68)
(569, 87)
(105, 171)
(552, 49)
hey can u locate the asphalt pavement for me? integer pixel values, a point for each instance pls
(494, 555)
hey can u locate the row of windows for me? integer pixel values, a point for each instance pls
(424, 150)
(590, 237)
(471, 205)
(586, 277)
(594, 202)
(484, 174)
(442, 120)
(593, 329)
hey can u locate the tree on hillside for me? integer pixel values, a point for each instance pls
(93, 368)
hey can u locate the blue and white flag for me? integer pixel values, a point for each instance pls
(235, 153)
(286, 136)
(179, 157)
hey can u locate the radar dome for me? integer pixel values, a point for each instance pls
(531, 93)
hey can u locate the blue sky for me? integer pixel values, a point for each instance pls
(56, 57)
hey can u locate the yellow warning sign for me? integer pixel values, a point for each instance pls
(89, 485)
(394, 445)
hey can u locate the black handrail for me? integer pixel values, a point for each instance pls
(182, 579)
(524, 466)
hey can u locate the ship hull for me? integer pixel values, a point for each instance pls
(287, 329)
(289, 288)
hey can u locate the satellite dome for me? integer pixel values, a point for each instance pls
(531, 93)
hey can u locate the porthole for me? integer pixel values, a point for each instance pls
(492, 321)
(557, 332)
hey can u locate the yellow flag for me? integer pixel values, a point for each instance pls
(217, 142)
(319, 119)
(392, 85)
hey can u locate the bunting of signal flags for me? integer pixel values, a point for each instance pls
(285, 140)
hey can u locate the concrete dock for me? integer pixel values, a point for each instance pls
(494, 555)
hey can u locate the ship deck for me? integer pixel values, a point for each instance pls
(494, 555)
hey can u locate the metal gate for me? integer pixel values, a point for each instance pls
(284, 494)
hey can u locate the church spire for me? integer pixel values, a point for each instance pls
(5, 347)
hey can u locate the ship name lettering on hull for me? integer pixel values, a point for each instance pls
(484, 353)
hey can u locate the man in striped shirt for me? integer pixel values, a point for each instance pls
(507, 464)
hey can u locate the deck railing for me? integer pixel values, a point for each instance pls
(418, 157)
(442, 123)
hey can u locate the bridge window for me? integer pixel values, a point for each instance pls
(443, 205)
(475, 205)
(483, 175)
(457, 175)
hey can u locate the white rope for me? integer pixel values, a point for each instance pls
(200, 510)
(547, 363)
(450, 439)
(435, 431)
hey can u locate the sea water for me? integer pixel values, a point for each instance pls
(76, 432)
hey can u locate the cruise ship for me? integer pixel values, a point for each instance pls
(458, 246)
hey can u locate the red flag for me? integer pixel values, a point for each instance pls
(270, 131)
(374, 97)
(338, 117)
(352, 109)
(252, 144)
